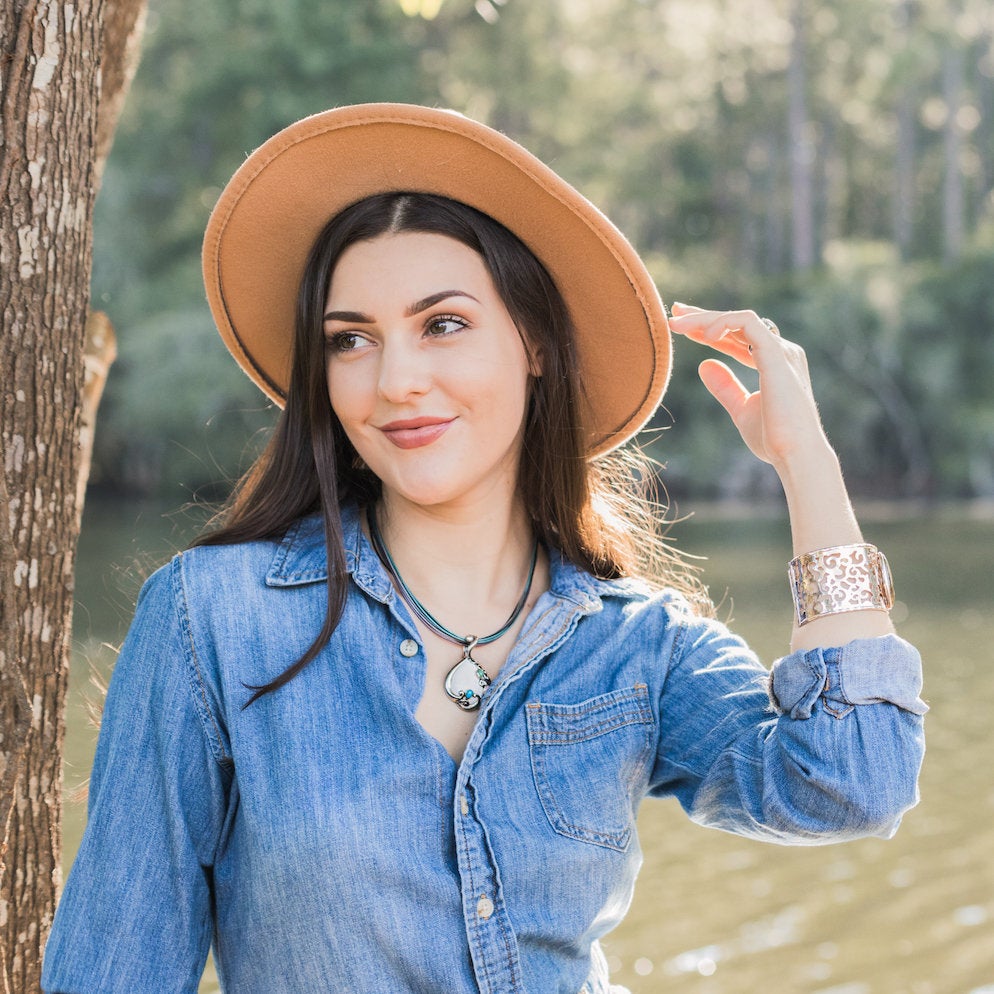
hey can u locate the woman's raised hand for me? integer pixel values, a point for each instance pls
(779, 422)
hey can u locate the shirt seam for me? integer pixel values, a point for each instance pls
(213, 734)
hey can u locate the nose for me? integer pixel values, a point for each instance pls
(404, 370)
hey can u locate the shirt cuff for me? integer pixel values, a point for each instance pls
(867, 671)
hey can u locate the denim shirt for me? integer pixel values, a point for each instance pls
(322, 840)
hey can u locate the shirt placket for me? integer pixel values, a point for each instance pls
(492, 941)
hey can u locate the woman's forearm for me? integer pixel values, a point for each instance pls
(821, 516)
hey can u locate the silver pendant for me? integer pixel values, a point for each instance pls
(467, 681)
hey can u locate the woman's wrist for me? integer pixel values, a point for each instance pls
(809, 468)
(821, 516)
(821, 513)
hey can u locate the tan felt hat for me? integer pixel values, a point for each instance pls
(266, 219)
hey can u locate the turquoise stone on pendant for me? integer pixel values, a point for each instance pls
(466, 682)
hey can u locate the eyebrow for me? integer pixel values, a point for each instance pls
(357, 317)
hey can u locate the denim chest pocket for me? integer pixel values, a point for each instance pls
(587, 760)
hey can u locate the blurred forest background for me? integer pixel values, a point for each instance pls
(829, 165)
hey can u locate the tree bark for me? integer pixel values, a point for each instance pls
(99, 353)
(122, 30)
(52, 137)
(15, 718)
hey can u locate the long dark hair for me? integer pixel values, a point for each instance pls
(309, 465)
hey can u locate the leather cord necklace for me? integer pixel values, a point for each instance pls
(467, 680)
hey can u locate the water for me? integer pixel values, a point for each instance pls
(714, 914)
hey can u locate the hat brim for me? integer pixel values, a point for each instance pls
(270, 213)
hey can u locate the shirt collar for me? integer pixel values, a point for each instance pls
(300, 559)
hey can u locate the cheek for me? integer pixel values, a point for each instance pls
(345, 394)
(517, 385)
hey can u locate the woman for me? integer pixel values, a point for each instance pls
(387, 729)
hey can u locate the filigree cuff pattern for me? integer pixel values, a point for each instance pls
(838, 579)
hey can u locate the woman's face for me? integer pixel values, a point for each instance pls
(427, 372)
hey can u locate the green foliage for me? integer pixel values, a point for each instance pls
(673, 118)
(182, 411)
(949, 322)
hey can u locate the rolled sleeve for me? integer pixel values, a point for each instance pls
(765, 754)
(866, 671)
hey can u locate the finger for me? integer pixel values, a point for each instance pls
(738, 334)
(724, 386)
(689, 316)
(711, 327)
(678, 308)
(706, 326)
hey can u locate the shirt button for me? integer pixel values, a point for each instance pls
(463, 804)
(408, 648)
(484, 907)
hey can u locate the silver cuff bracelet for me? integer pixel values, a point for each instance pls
(838, 579)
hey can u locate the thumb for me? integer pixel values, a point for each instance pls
(724, 386)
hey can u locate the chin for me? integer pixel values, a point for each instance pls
(428, 496)
(439, 491)
(451, 480)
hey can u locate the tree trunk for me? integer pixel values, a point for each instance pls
(953, 219)
(903, 209)
(801, 147)
(121, 32)
(51, 93)
(984, 138)
(774, 222)
(15, 716)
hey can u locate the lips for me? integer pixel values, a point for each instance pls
(413, 433)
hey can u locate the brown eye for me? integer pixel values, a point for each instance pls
(342, 341)
(444, 324)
